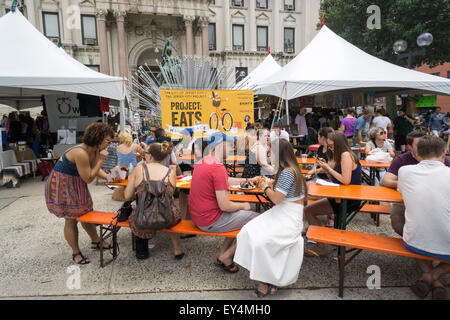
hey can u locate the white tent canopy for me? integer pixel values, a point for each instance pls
(31, 65)
(330, 63)
(262, 72)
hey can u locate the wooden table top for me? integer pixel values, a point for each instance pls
(364, 163)
(308, 161)
(356, 192)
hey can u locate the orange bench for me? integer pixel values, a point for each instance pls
(108, 219)
(360, 241)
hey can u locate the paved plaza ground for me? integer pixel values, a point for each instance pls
(34, 262)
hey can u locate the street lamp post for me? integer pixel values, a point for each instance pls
(424, 40)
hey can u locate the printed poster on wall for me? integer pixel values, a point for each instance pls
(228, 111)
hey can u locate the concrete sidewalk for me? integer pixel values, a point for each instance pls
(34, 262)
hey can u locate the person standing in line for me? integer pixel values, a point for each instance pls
(362, 126)
(437, 122)
(66, 192)
(381, 120)
(302, 128)
(403, 125)
(348, 125)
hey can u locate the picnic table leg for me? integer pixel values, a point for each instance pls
(101, 246)
(341, 271)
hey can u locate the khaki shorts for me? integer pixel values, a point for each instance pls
(230, 221)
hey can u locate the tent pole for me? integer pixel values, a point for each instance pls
(287, 108)
(122, 115)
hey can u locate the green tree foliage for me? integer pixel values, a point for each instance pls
(400, 20)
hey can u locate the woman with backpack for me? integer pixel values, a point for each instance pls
(161, 178)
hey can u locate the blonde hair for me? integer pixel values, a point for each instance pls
(126, 139)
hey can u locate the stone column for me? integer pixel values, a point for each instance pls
(188, 20)
(252, 40)
(227, 32)
(204, 23)
(123, 63)
(103, 41)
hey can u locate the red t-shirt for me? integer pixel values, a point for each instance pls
(208, 177)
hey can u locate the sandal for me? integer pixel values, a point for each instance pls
(179, 256)
(439, 293)
(273, 288)
(96, 246)
(311, 253)
(259, 294)
(228, 268)
(421, 289)
(83, 260)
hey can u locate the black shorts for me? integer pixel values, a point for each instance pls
(400, 141)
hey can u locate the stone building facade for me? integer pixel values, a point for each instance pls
(115, 37)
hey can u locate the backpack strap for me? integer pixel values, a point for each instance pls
(168, 173)
(147, 175)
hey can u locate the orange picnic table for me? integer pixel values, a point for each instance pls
(353, 192)
(308, 160)
(373, 170)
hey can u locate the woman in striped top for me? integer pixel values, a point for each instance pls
(274, 257)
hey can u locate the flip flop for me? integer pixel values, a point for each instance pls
(421, 289)
(311, 253)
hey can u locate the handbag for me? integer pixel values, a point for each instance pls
(378, 156)
(125, 211)
(154, 209)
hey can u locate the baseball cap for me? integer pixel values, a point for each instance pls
(218, 137)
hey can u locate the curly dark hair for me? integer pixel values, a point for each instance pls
(96, 132)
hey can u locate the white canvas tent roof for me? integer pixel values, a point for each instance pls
(330, 63)
(264, 70)
(31, 65)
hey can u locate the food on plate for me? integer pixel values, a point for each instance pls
(246, 185)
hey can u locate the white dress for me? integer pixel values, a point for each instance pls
(270, 246)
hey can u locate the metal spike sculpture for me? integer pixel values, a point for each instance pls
(191, 73)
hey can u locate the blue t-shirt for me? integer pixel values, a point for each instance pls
(149, 140)
(363, 125)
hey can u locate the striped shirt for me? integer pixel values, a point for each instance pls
(286, 184)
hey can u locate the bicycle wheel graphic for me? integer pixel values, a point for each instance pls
(213, 121)
(227, 121)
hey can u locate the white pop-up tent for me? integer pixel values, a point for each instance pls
(31, 65)
(331, 64)
(262, 72)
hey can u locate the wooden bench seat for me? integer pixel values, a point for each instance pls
(371, 208)
(107, 219)
(360, 241)
(250, 198)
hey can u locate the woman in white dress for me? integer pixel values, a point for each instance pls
(271, 245)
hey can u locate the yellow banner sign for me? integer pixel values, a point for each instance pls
(228, 111)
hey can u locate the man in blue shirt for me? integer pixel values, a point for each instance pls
(151, 138)
(437, 121)
(362, 125)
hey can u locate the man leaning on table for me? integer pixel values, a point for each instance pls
(390, 179)
(425, 190)
(209, 205)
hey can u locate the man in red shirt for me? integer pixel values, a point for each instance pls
(210, 208)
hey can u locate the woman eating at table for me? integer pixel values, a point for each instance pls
(155, 156)
(343, 167)
(257, 162)
(377, 139)
(66, 192)
(270, 246)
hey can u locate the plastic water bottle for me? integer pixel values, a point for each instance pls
(130, 168)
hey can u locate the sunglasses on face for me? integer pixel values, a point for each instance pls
(382, 132)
